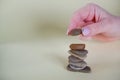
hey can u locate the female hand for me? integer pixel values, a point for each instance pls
(96, 23)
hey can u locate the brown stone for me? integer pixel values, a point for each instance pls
(75, 32)
(77, 46)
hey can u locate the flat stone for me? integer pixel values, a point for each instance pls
(75, 32)
(87, 69)
(77, 46)
(79, 54)
(74, 59)
(81, 64)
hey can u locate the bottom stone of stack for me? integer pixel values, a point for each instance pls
(87, 69)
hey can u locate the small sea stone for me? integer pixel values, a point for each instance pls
(81, 64)
(77, 46)
(75, 32)
(87, 69)
(74, 59)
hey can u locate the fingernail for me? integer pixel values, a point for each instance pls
(85, 31)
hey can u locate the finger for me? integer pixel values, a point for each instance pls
(74, 25)
(84, 38)
(72, 30)
(94, 29)
(101, 37)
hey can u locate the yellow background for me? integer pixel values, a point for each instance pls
(34, 44)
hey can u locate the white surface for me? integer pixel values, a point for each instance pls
(47, 60)
(33, 44)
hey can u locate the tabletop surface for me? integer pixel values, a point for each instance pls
(47, 60)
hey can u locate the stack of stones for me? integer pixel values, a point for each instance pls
(76, 58)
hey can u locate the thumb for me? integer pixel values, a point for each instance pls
(93, 29)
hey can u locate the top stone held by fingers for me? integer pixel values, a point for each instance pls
(75, 32)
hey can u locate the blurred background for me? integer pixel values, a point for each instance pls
(34, 44)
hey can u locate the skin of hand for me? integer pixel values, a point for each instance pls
(95, 23)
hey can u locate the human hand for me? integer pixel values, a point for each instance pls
(95, 23)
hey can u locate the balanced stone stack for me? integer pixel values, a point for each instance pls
(76, 58)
